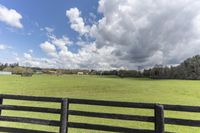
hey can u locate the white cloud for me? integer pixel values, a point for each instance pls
(3, 47)
(148, 32)
(30, 51)
(49, 29)
(38, 62)
(10, 17)
(49, 48)
(27, 56)
(59, 55)
(76, 21)
(130, 33)
(61, 42)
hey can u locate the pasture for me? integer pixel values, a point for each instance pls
(183, 92)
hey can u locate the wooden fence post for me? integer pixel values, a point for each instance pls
(159, 119)
(1, 102)
(64, 116)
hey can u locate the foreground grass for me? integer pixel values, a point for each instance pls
(184, 92)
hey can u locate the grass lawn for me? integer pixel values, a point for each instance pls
(184, 92)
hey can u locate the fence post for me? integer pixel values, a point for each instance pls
(64, 116)
(1, 102)
(159, 119)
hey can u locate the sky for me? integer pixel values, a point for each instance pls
(98, 34)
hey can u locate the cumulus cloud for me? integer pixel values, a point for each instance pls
(10, 17)
(76, 20)
(131, 33)
(31, 61)
(148, 32)
(39, 62)
(144, 30)
(27, 56)
(49, 48)
(59, 55)
(60, 42)
(3, 47)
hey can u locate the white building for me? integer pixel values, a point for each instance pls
(5, 73)
(80, 73)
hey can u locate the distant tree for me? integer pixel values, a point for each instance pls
(188, 69)
(146, 72)
(129, 73)
(27, 72)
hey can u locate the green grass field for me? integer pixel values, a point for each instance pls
(184, 92)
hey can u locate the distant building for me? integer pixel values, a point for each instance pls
(5, 73)
(80, 73)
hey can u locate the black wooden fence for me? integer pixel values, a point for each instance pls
(158, 119)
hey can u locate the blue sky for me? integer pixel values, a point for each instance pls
(39, 14)
(98, 34)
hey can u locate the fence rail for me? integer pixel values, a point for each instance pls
(158, 119)
(112, 103)
(112, 116)
(31, 98)
(30, 109)
(107, 128)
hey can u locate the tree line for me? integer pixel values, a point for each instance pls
(188, 69)
(3, 66)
